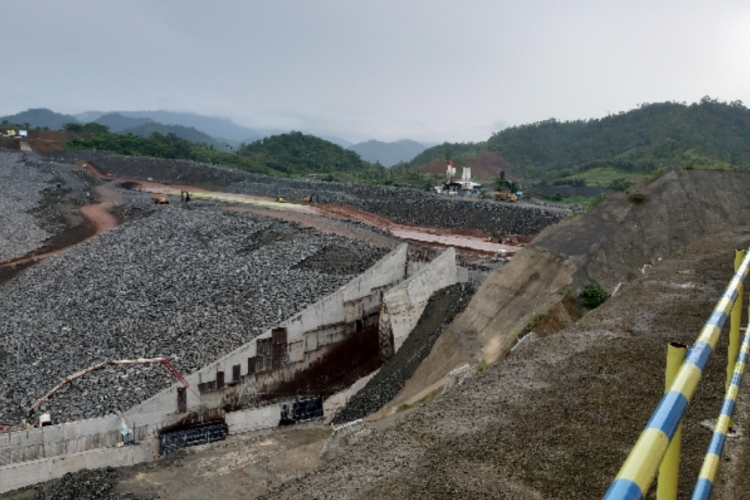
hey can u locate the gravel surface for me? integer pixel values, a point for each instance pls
(21, 188)
(84, 485)
(408, 206)
(189, 284)
(442, 307)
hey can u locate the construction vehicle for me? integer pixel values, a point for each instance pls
(185, 196)
(505, 196)
(160, 199)
(279, 199)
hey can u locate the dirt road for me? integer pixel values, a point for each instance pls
(470, 241)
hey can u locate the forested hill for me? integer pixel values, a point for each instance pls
(705, 134)
(444, 151)
(296, 152)
(289, 155)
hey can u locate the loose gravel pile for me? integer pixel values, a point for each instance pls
(97, 484)
(442, 307)
(187, 284)
(21, 188)
(408, 206)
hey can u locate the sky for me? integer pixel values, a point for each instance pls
(428, 70)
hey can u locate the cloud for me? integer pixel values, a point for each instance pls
(385, 70)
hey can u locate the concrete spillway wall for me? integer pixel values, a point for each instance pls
(382, 294)
(404, 303)
(306, 334)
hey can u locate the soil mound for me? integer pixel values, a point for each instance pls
(484, 165)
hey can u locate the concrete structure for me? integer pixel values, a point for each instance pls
(307, 335)
(64, 439)
(382, 298)
(404, 303)
(253, 419)
(34, 471)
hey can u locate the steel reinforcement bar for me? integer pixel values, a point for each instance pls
(638, 472)
(705, 482)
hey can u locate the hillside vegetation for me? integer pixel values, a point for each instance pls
(442, 151)
(188, 133)
(628, 145)
(708, 134)
(291, 155)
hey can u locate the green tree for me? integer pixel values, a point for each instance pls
(621, 184)
(593, 296)
(501, 182)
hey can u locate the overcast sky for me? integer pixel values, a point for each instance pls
(430, 70)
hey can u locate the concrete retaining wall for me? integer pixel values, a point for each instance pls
(34, 471)
(253, 419)
(62, 439)
(346, 305)
(404, 303)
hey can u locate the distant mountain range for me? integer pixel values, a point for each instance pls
(222, 133)
(388, 153)
(223, 130)
(39, 117)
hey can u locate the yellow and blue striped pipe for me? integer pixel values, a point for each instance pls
(705, 482)
(638, 472)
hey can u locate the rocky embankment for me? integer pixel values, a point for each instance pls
(408, 206)
(189, 284)
(21, 187)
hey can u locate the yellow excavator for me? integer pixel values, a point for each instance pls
(160, 199)
(505, 196)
